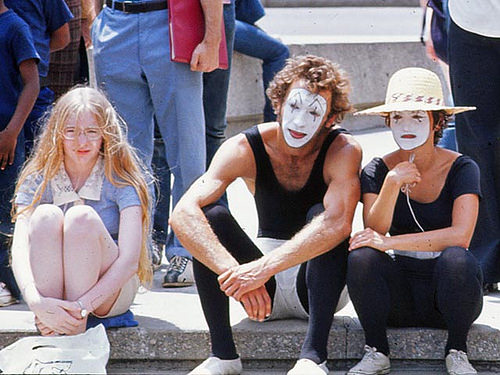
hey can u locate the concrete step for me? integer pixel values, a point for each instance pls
(249, 368)
(172, 334)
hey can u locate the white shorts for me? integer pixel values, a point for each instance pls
(286, 302)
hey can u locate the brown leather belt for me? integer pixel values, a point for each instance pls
(137, 6)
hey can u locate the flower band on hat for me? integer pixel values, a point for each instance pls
(402, 98)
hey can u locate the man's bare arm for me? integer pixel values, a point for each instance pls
(322, 234)
(234, 159)
(206, 54)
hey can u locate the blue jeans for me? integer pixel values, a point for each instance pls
(215, 87)
(8, 178)
(254, 42)
(133, 66)
(162, 174)
(475, 80)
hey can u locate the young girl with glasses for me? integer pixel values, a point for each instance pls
(82, 217)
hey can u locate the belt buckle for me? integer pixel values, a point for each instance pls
(126, 5)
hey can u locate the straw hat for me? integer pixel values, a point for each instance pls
(413, 89)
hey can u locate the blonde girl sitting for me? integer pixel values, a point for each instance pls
(82, 217)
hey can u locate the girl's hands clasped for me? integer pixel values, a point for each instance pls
(56, 316)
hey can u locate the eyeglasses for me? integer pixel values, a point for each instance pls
(71, 133)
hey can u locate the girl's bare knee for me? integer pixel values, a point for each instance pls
(46, 217)
(81, 219)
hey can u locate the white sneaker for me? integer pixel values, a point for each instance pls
(373, 363)
(457, 363)
(305, 366)
(217, 366)
(179, 272)
(6, 297)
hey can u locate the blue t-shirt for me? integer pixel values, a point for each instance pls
(43, 17)
(113, 200)
(16, 46)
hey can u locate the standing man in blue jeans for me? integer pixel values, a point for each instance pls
(133, 66)
(215, 87)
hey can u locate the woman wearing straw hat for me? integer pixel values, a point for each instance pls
(427, 199)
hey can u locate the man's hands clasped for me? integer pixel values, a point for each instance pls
(245, 283)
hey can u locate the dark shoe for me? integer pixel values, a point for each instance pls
(490, 288)
(179, 273)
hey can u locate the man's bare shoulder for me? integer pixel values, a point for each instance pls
(345, 146)
(239, 143)
(343, 159)
(234, 159)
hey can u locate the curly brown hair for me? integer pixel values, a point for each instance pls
(319, 74)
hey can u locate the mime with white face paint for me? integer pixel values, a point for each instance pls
(303, 173)
(426, 198)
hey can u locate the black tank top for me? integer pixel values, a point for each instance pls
(281, 212)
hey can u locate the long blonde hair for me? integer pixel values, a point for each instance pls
(122, 166)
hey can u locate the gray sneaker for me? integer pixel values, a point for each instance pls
(457, 363)
(179, 273)
(156, 254)
(372, 363)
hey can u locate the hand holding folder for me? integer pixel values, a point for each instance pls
(187, 29)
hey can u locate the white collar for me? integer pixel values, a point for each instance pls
(63, 192)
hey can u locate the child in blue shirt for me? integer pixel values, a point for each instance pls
(48, 22)
(19, 87)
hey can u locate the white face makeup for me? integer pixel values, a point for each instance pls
(410, 129)
(302, 116)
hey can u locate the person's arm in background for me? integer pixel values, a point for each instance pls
(57, 16)
(60, 38)
(31, 86)
(429, 45)
(206, 54)
(88, 16)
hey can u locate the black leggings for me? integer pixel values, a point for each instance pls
(319, 284)
(445, 292)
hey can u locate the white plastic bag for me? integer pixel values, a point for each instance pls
(86, 353)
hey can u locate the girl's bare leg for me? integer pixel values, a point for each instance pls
(46, 259)
(89, 251)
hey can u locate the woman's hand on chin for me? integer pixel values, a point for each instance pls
(404, 173)
(57, 316)
(369, 238)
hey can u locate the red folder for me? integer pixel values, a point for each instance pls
(187, 28)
